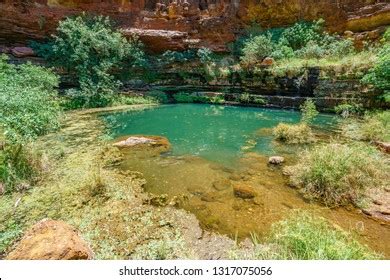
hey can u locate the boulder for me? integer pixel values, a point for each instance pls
(51, 240)
(276, 160)
(244, 191)
(144, 141)
(22, 52)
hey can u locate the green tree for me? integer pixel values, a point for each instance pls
(309, 111)
(90, 49)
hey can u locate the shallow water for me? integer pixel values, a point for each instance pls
(217, 147)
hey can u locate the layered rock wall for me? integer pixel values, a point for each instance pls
(192, 23)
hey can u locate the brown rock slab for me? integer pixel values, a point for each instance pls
(51, 240)
(143, 141)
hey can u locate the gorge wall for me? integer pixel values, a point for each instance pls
(181, 24)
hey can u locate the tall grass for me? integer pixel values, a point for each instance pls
(303, 236)
(339, 174)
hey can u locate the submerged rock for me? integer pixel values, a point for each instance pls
(276, 160)
(244, 191)
(222, 184)
(51, 240)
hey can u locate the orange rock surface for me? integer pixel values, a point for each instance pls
(191, 23)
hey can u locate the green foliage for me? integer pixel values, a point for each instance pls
(8, 236)
(379, 75)
(90, 49)
(177, 57)
(301, 33)
(28, 105)
(259, 100)
(305, 40)
(28, 109)
(256, 49)
(309, 111)
(304, 236)
(185, 97)
(349, 109)
(386, 36)
(205, 55)
(339, 174)
(373, 127)
(293, 133)
(244, 98)
(122, 99)
(159, 96)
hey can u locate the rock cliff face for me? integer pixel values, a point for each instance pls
(179, 24)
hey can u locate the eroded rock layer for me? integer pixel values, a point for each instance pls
(180, 24)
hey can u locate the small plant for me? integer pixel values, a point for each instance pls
(245, 98)
(293, 134)
(217, 99)
(347, 110)
(339, 174)
(259, 100)
(309, 111)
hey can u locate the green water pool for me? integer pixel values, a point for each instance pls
(214, 132)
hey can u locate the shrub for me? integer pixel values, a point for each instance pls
(309, 111)
(244, 98)
(373, 127)
(90, 49)
(349, 109)
(293, 134)
(183, 97)
(379, 75)
(338, 174)
(256, 49)
(159, 96)
(298, 35)
(311, 50)
(28, 109)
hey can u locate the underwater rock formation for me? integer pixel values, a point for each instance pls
(200, 23)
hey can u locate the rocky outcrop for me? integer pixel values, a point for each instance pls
(51, 240)
(159, 143)
(276, 160)
(180, 24)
